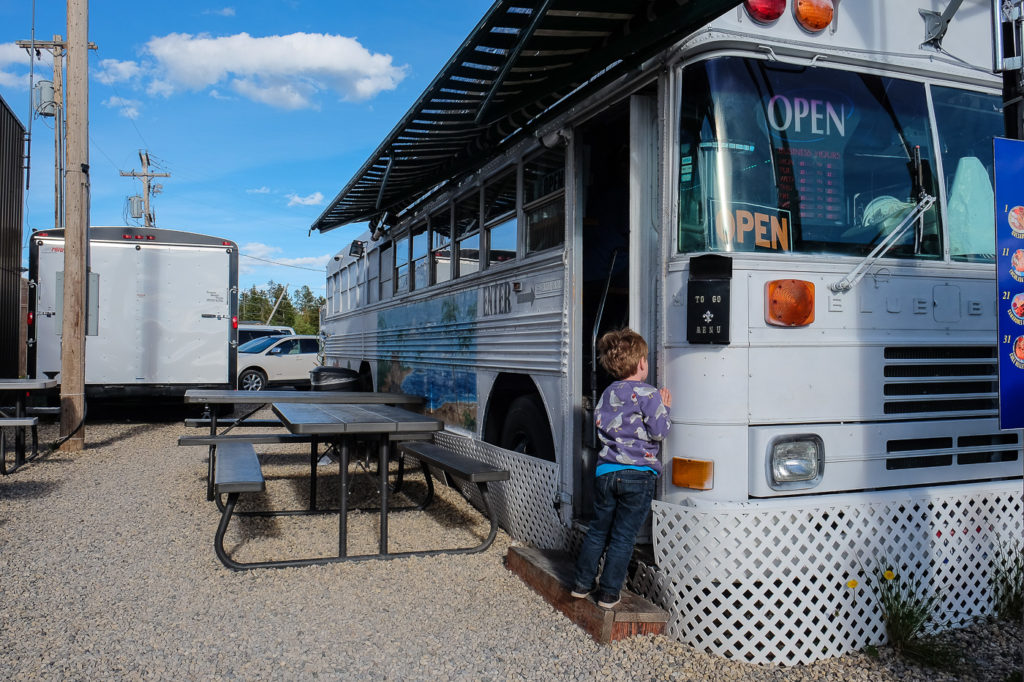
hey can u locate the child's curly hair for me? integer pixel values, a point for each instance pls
(620, 352)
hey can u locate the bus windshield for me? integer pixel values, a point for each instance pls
(784, 158)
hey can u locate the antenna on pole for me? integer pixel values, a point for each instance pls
(147, 189)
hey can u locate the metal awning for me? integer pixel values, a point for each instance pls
(515, 70)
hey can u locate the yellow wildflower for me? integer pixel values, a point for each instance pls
(889, 575)
(852, 584)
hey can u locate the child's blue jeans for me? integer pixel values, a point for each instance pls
(621, 501)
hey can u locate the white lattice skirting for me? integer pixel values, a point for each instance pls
(524, 503)
(767, 582)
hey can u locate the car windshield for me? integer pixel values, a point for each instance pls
(258, 345)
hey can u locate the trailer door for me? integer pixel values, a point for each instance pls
(184, 315)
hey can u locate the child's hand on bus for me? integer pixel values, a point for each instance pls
(666, 396)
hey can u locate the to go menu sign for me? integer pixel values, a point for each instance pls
(1009, 190)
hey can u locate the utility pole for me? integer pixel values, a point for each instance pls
(146, 177)
(76, 235)
(57, 48)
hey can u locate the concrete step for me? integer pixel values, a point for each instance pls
(550, 574)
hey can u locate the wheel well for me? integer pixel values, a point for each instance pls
(365, 377)
(507, 387)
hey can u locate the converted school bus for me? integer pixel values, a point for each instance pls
(793, 202)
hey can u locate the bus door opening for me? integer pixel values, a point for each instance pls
(604, 276)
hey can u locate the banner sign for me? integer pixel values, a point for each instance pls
(1009, 191)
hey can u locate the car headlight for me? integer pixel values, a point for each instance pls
(795, 462)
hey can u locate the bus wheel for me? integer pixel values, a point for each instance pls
(526, 429)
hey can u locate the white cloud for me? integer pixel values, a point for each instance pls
(285, 71)
(314, 199)
(112, 71)
(129, 108)
(258, 190)
(14, 66)
(225, 12)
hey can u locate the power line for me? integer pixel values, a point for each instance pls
(284, 265)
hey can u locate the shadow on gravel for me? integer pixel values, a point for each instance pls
(12, 489)
(134, 431)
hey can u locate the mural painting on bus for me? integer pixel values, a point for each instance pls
(428, 345)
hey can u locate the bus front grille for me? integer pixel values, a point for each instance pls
(926, 453)
(940, 381)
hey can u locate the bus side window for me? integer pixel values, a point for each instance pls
(544, 200)
(373, 276)
(467, 234)
(387, 262)
(440, 245)
(402, 264)
(500, 218)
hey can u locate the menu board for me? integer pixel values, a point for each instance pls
(1009, 190)
(812, 180)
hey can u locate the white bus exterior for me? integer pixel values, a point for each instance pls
(831, 407)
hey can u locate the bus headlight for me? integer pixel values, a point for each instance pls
(795, 462)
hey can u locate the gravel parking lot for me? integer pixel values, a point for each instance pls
(107, 571)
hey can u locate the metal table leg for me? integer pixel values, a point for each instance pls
(382, 468)
(210, 411)
(19, 432)
(342, 446)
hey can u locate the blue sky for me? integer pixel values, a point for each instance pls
(261, 111)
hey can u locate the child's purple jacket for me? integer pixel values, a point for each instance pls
(631, 420)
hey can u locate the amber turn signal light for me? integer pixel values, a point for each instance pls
(789, 303)
(814, 15)
(696, 474)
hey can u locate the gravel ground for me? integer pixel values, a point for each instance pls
(107, 571)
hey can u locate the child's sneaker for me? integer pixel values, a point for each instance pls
(581, 593)
(607, 601)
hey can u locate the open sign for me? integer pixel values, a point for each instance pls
(749, 227)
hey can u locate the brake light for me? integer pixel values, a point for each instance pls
(814, 15)
(234, 321)
(765, 11)
(31, 318)
(789, 303)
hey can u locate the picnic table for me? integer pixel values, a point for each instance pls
(340, 424)
(214, 400)
(20, 420)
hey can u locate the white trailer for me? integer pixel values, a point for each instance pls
(161, 312)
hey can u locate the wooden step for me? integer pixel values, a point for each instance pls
(550, 574)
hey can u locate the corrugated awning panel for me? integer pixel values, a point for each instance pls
(524, 57)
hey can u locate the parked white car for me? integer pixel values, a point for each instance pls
(277, 360)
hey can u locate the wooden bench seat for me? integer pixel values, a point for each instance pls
(463, 467)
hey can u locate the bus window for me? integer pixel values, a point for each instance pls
(544, 200)
(373, 276)
(500, 218)
(783, 158)
(967, 122)
(467, 232)
(402, 264)
(419, 256)
(440, 244)
(387, 263)
(343, 290)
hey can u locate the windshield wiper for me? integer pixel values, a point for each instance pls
(851, 280)
(924, 202)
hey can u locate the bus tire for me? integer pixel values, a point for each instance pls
(526, 429)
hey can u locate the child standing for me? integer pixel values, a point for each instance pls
(632, 419)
